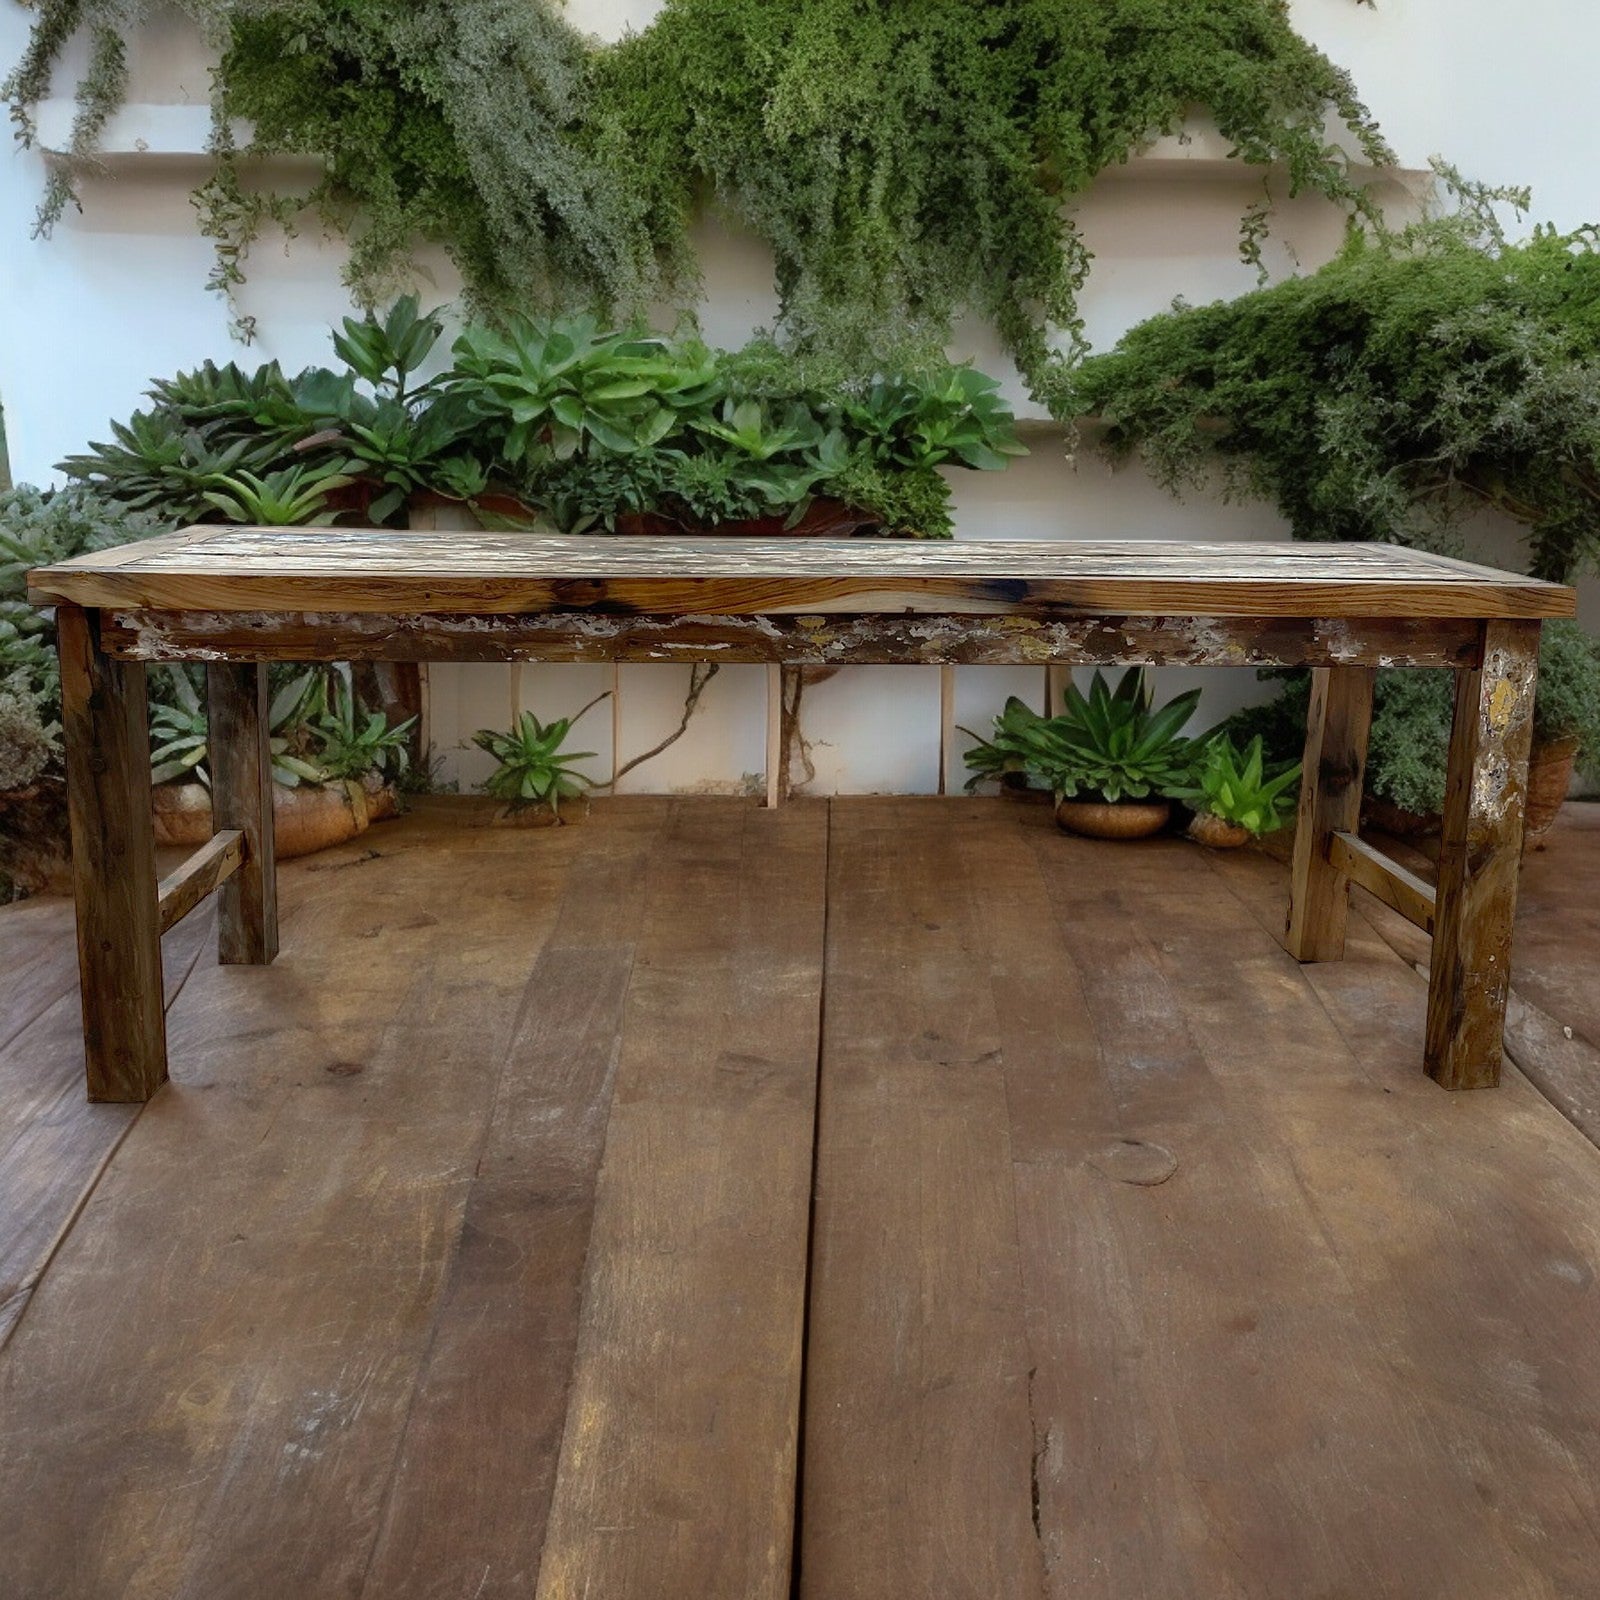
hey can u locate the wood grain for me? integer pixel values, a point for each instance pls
(238, 747)
(1480, 857)
(1338, 722)
(806, 640)
(105, 732)
(678, 1462)
(1396, 886)
(53, 1145)
(382, 570)
(468, 1504)
(919, 1452)
(187, 885)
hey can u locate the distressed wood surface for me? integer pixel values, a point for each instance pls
(1338, 722)
(381, 570)
(104, 724)
(1480, 858)
(238, 748)
(186, 886)
(1397, 886)
(250, 1291)
(54, 1146)
(918, 1449)
(678, 1463)
(466, 1509)
(313, 1332)
(806, 641)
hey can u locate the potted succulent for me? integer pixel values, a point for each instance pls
(535, 774)
(1566, 721)
(1110, 760)
(328, 766)
(1234, 794)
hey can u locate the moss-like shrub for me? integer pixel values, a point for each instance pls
(1415, 377)
(1412, 711)
(905, 159)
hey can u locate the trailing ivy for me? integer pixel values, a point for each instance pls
(1418, 375)
(908, 159)
(905, 159)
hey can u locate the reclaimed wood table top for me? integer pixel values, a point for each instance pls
(342, 570)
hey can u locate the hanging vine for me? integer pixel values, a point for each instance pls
(906, 160)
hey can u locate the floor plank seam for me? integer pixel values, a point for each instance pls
(811, 1219)
(29, 1286)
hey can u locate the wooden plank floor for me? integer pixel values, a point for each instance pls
(467, 1255)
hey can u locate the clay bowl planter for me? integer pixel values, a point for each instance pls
(1126, 819)
(1382, 817)
(1216, 833)
(304, 820)
(1549, 777)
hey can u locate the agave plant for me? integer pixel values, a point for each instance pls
(1108, 745)
(1237, 786)
(178, 733)
(350, 745)
(290, 497)
(1111, 745)
(158, 462)
(550, 388)
(1021, 740)
(534, 770)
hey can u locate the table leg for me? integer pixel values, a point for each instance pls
(1330, 802)
(1479, 858)
(105, 730)
(238, 745)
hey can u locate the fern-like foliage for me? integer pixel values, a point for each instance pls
(906, 160)
(1417, 376)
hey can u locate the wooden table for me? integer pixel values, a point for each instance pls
(238, 598)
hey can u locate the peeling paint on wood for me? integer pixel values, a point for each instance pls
(808, 640)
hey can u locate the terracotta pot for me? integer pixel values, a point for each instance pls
(1126, 819)
(383, 803)
(304, 820)
(1216, 832)
(1549, 777)
(1383, 817)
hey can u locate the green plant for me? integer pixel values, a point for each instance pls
(37, 528)
(178, 732)
(1113, 746)
(1412, 710)
(905, 161)
(1108, 744)
(558, 415)
(1022, 744)
(159, 464)
(1567, 705)
(286, 498)
(547, 389)
(1419, 375)
(352, 743)
(1240, 786)
(29, 743)
(534, 769)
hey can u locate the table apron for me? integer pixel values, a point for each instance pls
(832, 640)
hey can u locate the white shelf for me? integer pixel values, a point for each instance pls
(181, 133)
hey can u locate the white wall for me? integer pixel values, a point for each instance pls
(117, 296)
